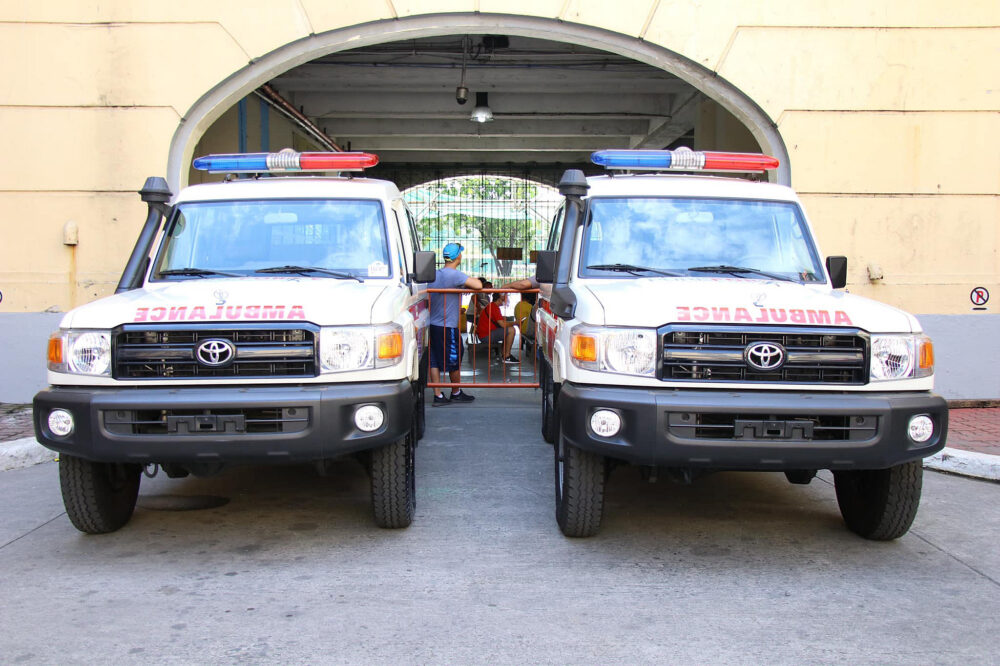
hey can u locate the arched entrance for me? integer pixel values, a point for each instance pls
(216, 101)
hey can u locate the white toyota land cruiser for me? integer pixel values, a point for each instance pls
(269, 320)
(688, 324)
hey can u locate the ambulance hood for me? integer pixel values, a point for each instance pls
(322, 301)
(653, 302)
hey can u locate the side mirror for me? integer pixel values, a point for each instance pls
(837, 268)
(545, 267)
(426, 271)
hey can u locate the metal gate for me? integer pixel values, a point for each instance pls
(501, 219)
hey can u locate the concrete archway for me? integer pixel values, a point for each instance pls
(217, 100)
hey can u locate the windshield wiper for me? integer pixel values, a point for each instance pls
(629, 268)
(303, 270)
(199, 272)
(736, 270)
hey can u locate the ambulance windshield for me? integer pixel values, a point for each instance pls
(261, 237)
(660, 236)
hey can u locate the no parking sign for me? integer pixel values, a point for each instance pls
(979, 296)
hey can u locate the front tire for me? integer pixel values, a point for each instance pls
(99, 497)
(880, 504)
(393, 486)
(580, 477)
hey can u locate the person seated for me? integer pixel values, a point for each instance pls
(478, 303)
(522, 315)
(493, 328)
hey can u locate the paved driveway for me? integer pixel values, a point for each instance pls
(740, 568)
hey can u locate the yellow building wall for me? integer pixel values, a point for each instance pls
(890, 112)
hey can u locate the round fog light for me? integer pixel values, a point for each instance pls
(369, 418)
(921, 428)
(60, 422)
(605, 423)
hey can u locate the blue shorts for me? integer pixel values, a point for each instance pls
(445, 348)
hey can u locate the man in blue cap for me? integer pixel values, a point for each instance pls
(445, 343)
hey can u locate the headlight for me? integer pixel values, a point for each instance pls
(80, 352)
(901, 357)
(626, 351)
(346, 348)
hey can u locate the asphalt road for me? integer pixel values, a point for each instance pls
(737, 568)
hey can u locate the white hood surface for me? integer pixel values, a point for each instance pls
(322, 301)
(653, 302)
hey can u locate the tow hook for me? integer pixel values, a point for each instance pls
(151, 469)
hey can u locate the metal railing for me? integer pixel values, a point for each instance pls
(509, 376)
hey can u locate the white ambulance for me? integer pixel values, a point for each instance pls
(688, 324)
(267, 320)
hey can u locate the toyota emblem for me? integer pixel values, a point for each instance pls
(215, 352)
(764, 356)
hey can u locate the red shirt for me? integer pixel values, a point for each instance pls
(487, 318)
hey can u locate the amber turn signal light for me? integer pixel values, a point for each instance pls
(55, 353)
(926, 354)
(390, 345)
(584, 348)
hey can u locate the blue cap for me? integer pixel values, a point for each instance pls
(452, 250)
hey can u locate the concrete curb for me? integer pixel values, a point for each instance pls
(25, 452)
(966, 463)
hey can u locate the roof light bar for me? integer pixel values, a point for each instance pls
(682, 159)
(285, 161)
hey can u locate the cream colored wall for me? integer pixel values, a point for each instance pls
(889, 110)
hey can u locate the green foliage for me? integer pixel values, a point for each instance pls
(502, 211)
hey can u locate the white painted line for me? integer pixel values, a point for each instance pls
(23, 453)
(966, 463)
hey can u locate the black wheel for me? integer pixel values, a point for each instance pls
(99, 497)
(580, 477)
(880, 504)
(550, 405)
(393, 489)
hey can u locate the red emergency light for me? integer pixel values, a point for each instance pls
(683, 159)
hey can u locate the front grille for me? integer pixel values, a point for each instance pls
(168, 352)
(229, 421)
(771, 427)
(814, 356)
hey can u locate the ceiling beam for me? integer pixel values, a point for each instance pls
(340, 78)
(517, 160)
(350, 127)
(680, 122)
(487, 144)
(443, 105)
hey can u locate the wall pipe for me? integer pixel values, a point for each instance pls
(275, 99)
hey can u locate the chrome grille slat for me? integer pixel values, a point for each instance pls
(167, 352)
(715, 354)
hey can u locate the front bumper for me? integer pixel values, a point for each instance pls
(223, 424)
(753, 430)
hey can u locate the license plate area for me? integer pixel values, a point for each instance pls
(750, 427)
(747, 429)
(206, 423)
